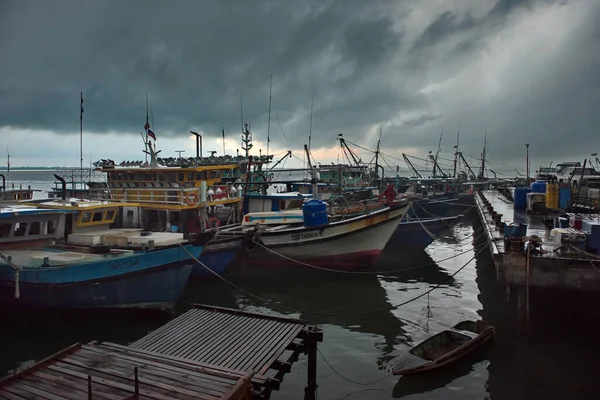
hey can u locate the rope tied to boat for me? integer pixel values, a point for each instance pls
(17, 274)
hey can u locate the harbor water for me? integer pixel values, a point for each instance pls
(363, 331)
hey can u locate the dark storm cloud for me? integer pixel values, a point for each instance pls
(359, 60)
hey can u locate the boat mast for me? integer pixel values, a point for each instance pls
(81, 139)
(377, 154)
(456, 152)
(312, 100)
(269, 120)
(438, 152)
(313, 177)
(482, 171)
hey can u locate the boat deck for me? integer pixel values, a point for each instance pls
(54, 257)
(125, 237)
(110, 371)
(235, 340)
(553, 269)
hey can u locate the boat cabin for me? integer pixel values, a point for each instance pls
(255, 202)
(21, 223)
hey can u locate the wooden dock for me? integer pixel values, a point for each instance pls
(263, 345)
(552, 270)
(110, 371)
(206, 353)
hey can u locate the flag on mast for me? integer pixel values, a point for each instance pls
(150, 133)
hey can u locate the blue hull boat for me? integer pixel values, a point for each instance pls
(411, 234)
(217, 255)
(126, 279)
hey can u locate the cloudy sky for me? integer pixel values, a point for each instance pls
(522, 71)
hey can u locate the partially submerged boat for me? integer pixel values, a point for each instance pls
(445, 347)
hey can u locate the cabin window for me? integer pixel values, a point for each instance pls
(87, 217)
(110, 214)
(201, 175)
(20, 229)
(51, 227)
(34, 229)
(97, 217)
(180, 177)
(191, 175)
(140, 176)
(215, 174)
(161, 177)
(5, 230)
(132, 176)
(172, 177)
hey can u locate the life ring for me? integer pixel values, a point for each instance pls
(191, 199)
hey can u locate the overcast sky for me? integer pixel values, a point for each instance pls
(524, 71)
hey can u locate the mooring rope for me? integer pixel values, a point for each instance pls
(387, 272)
(286, 309)
(17, 274)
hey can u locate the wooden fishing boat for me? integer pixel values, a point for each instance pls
(445, 347)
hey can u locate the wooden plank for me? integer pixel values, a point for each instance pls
(21, 393)
(64, 391)
(239, 330)
(78, 384)
(250, 314)
(261, 337)
(284, 343)
(40, 364)
(9, 396)
(37, 392)
(177, 365)
(173, 381)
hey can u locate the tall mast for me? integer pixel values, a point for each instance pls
(146, 127)
(482, 172)
(312, 100)
(437, 153)
(269, 121)
(81, 138)
(456, 152)
(377, 153)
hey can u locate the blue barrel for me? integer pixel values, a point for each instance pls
(538, 187)
(315, 213)
(520, 196)
(564, 197)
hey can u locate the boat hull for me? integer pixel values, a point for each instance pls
(412, 235)
(216, 256)
(471, 345)
(353, 245)
(153, 279)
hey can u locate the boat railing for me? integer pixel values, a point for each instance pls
(171, 196)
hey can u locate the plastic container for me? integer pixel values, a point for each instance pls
(564, 197)
(520, 196)
(538, 187)
(315, 213)
(552, 196)
(514, 230)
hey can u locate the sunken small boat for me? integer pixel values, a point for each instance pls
(445, 347)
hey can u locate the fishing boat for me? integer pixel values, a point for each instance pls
(62, 254)
(445, 347)
(187, 195)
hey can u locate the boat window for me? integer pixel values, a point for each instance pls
(87, 217)
(5, 230)
(34, 229)
(201, 175)
(20, 228)
(162, 177)
(215, 174)
(97, 217)
(132, 176)
(51, 227)
(110, 214)
(119, 176)
(191, 175)
(180, 177)
(140, 176)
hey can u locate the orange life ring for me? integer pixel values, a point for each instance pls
(191, 199)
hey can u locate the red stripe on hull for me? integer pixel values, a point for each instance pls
(356, 260)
